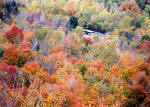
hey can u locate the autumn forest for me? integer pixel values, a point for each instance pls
(74, 53)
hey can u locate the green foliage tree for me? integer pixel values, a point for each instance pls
(147, 9)
(58, 36)
(42, 32)
(79, 31)
(83, 70)
(138, 23)
(107, 55)
(73, 21)
(145, 37)
(105, 21)
(142, 3)
(125, 22)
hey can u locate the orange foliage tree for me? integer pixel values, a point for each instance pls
(25, 52)
(11, 55)
(132, 8)
(18, 56)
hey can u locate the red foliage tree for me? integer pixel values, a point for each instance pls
(140, 78)
(15, 35)
(8, 75)
(87, 40)
(139, 90)
(147, 102)
(145, 46)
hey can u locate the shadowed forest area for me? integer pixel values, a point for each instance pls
(74, 53)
